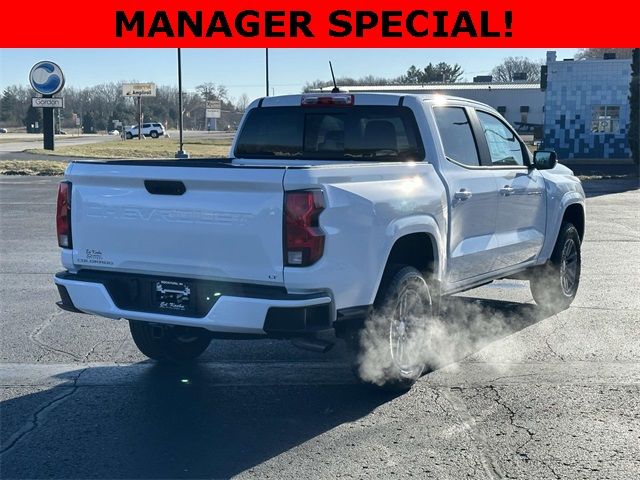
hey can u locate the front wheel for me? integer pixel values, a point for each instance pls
(554, 285)
(128, 136)
(169, 343)
(154, 134)
(393, 345)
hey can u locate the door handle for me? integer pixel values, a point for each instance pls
(462, 195)
(506, 190)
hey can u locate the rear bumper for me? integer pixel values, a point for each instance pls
(236, 310)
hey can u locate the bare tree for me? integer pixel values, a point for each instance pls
(367, 80)
(512, 65)
(211, 91)
(243, 102)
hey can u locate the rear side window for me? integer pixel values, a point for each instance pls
(381, 133)
(457, 136)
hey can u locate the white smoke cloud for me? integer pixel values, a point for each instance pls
(464, 326)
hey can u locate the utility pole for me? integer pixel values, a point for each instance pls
(180, 153)
(139, 117)
(266, 52)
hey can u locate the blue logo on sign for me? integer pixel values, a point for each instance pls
(46, 78)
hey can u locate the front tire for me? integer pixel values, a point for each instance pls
(169, 343)
(391, 348)
(128, 136)
(154, 134)
(555, 285)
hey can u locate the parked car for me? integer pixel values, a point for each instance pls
(153, 130)
(333, 213)
(114, 132)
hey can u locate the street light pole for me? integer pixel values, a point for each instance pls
(266, 52)
(180, 153)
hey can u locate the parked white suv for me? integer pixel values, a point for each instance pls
(153, 130)
(332, 213)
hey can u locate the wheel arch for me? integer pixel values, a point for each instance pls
(568, 207)
(417, 244)
(574, 213)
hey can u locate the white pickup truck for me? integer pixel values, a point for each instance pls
(332, 210)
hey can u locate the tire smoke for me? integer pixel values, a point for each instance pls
(464, 326)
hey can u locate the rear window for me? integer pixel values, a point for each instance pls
(381, 133)
(457, 137)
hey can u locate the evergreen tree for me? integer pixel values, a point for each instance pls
(433, 73)
(6, 105)
(33, 118)
(87, 123)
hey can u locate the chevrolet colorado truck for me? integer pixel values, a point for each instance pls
(332, 211)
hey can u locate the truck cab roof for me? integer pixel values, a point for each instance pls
(367, 99)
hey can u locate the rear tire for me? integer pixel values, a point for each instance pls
(554, 285)
(390, 349)
(169, 343)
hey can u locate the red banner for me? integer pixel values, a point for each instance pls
(407, 24)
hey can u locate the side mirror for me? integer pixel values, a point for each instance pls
(545, 159)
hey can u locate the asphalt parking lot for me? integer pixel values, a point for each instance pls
(544, 396)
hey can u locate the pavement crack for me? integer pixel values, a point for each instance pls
(85, 359)
(488, 463)
(39, 415)
(35, 334)
(555, 354)
(520, 450)
(560, 325)
(503, 377)
(550, 468)
(437, 402)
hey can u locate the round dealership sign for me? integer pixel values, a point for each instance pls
(46, 78)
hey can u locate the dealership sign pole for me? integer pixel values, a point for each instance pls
(139, 90)
(47, 79)
(213, 111)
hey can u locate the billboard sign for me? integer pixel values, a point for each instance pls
(139, 90)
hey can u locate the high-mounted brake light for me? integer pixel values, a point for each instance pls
(63, 215)
(303, 237)
(327, 100)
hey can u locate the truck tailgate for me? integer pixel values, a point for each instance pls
(226, 225)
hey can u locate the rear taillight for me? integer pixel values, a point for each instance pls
(63, 215)
(304, 239)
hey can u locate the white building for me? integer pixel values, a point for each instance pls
(521, 103)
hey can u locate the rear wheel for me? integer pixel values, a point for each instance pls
(392, 347)
(554, 286)
(169, 343)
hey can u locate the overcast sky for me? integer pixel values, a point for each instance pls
(242, 70)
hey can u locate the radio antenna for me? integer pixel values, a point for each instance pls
(335, 85)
